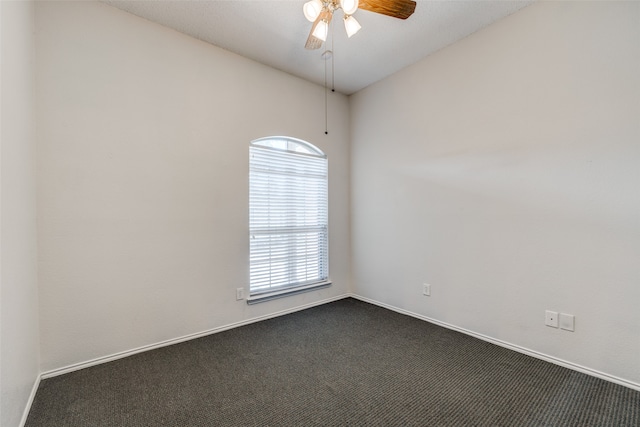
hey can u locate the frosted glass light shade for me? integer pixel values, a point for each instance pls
(351, 25)
(349, 7)
(311, 9)
(321, 31)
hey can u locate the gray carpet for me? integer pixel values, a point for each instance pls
(346, 363)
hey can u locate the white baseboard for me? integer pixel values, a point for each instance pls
(32, 396)
(122, 354)
(514, 347)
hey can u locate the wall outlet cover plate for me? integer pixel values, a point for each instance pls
(551, 318)
(426, 289)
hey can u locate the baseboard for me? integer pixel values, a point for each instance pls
(514, 347)
(126, 353)
(510, 346)
(32, 396)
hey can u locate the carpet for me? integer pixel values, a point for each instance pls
(346, 363)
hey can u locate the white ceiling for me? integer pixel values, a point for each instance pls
(273, 32)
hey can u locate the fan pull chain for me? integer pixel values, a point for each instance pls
(333, 73)
(326, 56)
(326, 109)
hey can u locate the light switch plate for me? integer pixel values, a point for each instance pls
(567, 322)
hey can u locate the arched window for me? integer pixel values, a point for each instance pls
(288, 218)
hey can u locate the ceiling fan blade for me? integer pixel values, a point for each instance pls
(312, 41)
(397, 8)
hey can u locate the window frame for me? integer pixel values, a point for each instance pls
(286, 175)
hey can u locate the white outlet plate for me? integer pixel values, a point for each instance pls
(239, 294)
(426, 289)
(551, 318)
(567, 322)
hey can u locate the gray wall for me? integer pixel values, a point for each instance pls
(503, 170)
(143, 167)
(19, 352)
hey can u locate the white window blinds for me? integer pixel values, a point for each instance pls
(288, 215)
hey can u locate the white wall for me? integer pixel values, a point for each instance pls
(143, 180)
(504, 171)
(19, 352)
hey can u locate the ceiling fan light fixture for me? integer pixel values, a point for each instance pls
(349, 7)
(321, 30)
(351, 25)
(311, 9)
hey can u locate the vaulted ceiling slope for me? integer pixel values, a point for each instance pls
(274, 33)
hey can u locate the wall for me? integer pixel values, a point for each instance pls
(19, 352)
(143, 180)
(503, 170)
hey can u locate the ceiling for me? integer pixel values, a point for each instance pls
(273, 32)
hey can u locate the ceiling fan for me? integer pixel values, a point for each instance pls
(320, 12)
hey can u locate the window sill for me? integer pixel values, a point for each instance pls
(255, 299)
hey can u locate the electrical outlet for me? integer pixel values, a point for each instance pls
(239, 294)
(426, 289)
(551, 318)
(567, 322)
